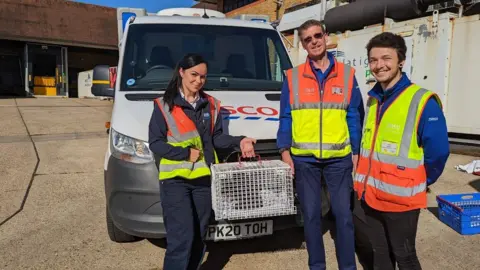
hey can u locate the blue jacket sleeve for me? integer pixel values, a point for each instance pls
(222, 140)
(433, 137)
(355, 115)
(157, 138)
(284, 133)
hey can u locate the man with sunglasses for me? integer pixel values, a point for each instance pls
(321, 115)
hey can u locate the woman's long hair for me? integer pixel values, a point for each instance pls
(188, 61)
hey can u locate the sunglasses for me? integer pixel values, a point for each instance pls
(316, 36)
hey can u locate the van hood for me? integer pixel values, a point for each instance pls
(252, 114)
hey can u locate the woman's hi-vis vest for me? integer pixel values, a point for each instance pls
(390, 173)
(319, 113)
(182, 132)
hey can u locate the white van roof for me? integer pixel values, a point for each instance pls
(190, 12)
(201, 21)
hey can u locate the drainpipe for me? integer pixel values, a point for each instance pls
(324, 9)
(277, 10)
(295, 38)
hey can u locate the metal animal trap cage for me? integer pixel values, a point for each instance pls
(252, 189)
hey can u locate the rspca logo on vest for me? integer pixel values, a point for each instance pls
(337, 90)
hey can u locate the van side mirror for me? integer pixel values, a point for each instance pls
(103, 81)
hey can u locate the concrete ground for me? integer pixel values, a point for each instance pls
(52, 205)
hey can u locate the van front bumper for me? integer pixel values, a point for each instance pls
(133, 198)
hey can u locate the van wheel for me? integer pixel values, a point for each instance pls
(115, 233)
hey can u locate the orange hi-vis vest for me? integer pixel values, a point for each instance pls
(183, 132)
(319, 112)
(390, 172)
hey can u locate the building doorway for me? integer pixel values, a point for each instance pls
(47, 70)
(11, 83)
(12, 80)
(85, 59)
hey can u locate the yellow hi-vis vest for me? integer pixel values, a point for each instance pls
(183, 132)
(390, 170)
(319, 114)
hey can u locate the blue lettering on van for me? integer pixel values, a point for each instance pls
(251, 118)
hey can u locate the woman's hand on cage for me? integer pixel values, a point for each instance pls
(246, 146)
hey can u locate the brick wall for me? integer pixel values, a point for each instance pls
(58, 22)
(205, 5)
(264, 7)
(289, 37)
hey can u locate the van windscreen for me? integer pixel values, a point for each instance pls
(239, 58)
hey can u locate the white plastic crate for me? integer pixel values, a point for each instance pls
(253, 189)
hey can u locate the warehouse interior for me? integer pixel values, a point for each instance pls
(28, 69)
(44, 44)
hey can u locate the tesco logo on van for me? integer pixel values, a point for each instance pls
(250, 113)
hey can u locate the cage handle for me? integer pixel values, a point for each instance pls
(240, 158)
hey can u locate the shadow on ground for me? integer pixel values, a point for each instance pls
(475, 184)
(219, 253)
(434, 211)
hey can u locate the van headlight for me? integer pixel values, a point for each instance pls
(129, 149)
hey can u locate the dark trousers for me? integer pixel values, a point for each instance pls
(338, 177)
(393, 233)
(186, 211)
(363, 247)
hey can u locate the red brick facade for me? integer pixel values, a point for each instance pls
(263, 7)
(270, 8)
(267, 7)
(205, 5)
(59, 22)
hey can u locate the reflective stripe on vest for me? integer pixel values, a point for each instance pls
(182, 132)
(319, 126)
(215, 108)
(391, 189)
(394, 167)
(214, 111)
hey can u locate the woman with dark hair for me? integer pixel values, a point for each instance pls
(185, 128)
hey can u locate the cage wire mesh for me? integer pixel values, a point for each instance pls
(252, 189)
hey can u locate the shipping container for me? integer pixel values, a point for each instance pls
(443, 54)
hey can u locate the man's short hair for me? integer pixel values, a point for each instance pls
(388, 40)
(309, 24)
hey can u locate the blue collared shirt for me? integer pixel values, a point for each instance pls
(195, 101)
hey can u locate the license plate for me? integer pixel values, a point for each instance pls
(239, 230)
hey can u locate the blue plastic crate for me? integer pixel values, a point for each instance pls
(461, 212)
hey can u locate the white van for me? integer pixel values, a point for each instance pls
(246, 60)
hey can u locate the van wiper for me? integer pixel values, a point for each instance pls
(242, 89)
(143, 96)
(269, 89)
(143, 88)
(139, 88)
